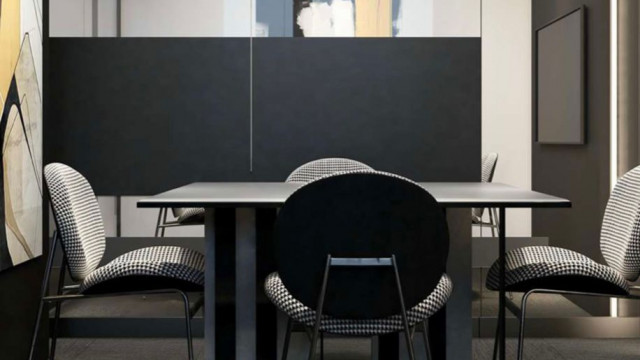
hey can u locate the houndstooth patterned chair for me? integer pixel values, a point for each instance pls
(489, 162)
(314, 204)
(322, 167)
(281, 297)
(546, 269)
(159, 269)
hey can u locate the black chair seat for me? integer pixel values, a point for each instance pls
(553, 268)
(282, 298)
(158, 267)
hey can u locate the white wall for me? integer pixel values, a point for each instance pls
(192, 18)
(70, 18)
(452, 18)
(506, 97)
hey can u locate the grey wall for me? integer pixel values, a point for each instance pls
(138, 116)
(578, 172)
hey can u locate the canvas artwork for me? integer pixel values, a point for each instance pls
(21, 134)
(342, 18)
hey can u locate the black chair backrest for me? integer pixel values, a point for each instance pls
(361, 215)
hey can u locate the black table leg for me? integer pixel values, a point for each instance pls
(438, 334)
(225, 284)
(502, 300)
(266, 318)
(388, 347)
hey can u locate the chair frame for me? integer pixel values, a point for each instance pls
(493, 223)
(357, 263)
(62, 295)
(164, 223)
(520, 312)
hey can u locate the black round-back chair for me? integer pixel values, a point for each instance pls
(361, 254)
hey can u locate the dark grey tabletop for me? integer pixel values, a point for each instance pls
(262, 194)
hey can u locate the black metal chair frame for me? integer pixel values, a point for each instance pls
(493, 223)
(63, 295)
(163, 223)
(358, 263)
(520, 312)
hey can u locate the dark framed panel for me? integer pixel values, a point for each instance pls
(411, 106)
(144, 115)
(559, 80)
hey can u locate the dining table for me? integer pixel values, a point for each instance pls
(240, 323)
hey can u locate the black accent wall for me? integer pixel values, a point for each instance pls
(578, 172)
(138, 116)
(409, 106)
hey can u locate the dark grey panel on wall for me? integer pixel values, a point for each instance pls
(579, 173)
(410, 106)
(139, 116)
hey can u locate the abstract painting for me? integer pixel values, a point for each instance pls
(21, 134)
(342, 18)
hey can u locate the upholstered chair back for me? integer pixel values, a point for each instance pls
(78, 219)
(620, 234)
(489, 162)
(321, 167)
(354, 216)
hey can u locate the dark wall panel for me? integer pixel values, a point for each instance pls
(139, 116)
(578, 172)
(410, 106)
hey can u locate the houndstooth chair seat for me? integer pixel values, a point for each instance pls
(555, 268)
(322, 167)
(280, 296)
(189, 215)
(81, 230)
(155, 267)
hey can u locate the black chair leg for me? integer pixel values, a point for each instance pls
(287, 339)
(425, 339)
(405, 322)
(495, 342)
(158, 222)
(56, 317)
(316, 325)
(322, 345)
(43, 293)
(523, 315)
(187, 314)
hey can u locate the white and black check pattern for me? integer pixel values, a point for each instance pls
(78, 219)
(319, 168)
(539, 262)
(188, 215)
(82, 235)
(489, 162)
(620, 234)
(280, 296)
(159, 261)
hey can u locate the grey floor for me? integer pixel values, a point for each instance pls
(346, 349)
(485, 304)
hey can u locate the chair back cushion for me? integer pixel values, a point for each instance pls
(322, 167)
(78, 219)
(620, 234)
(361, 215)
(489, 162)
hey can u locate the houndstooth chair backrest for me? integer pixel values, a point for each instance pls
(489, 162)
(321, 167)
(620, 234)
(78, 219)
